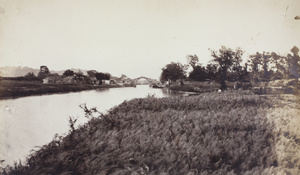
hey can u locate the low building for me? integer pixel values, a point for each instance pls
(94, 81)
(105, 81)
(68, 80)
(52, 79)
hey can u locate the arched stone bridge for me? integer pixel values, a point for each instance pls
(150, 81)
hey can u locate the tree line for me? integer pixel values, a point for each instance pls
(78, 77)
(227, 65)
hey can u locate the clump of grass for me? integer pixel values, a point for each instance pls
(213, 133)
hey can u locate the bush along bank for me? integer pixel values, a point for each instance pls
(213, 133)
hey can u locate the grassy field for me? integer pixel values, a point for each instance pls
(14, 88)
(233, 132)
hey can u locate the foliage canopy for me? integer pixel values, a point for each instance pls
(172, 72)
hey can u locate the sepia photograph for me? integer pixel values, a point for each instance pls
(150, 87)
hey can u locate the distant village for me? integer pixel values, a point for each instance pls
(70, 77)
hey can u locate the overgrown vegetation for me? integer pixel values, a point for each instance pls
(213, 133)
(226, 66)
(198, 87)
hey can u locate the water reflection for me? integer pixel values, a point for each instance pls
(33, 121)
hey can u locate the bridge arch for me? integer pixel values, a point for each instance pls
(150, 81)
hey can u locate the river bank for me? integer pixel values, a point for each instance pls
(284, 86)
(14, 88)
(233, 132)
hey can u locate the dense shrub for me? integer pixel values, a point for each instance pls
(193, 86)
(213, 133)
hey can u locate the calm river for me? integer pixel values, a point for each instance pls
(29, 122)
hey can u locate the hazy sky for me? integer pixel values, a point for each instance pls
(139, 37)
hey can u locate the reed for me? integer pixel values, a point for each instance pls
(231, 132)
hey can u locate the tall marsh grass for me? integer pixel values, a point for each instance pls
(213, 133)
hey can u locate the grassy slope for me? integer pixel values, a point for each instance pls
(286, 119)
(213, 133)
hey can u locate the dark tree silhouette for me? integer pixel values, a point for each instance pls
(198, 74)
(294, 62)
(212, 70)
(279, 69)
(91, 73)
(68, 73)
(79, 77)
(192, 60)
(262, 59)
(265, 62)
(102, 76)
(172, 72)
(225, 58)
(30, 76)
(237, 69)
(44, 72)
(254, 61)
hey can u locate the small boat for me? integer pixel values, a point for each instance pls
(156, 85)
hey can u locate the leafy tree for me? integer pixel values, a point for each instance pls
(68, 73)
(225, 58)
(98, 75)
(212, 70)
(91, 73)
(255, 61)
(293, 61)
(79, 77)
(198, 73)
(172, 72)
(262, 59)
(44, 69)
(192, 60)
(265, 62)
(273, 66)
(245, 74)
(43, 73)
(30, 76)
(102, 76)
(278, 68)
(237, 73)
(87, 80)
